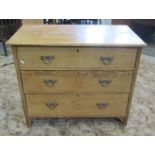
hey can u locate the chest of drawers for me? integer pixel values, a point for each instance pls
(76, 71)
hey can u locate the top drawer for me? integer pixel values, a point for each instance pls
(72, 58)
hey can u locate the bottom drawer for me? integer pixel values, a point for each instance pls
(82, 105)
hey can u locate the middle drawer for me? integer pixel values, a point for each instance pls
(76, 81)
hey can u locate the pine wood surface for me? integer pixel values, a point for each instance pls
(69, 59)
(76, 81)
(76, 71)
(83, 105)
(76, 35)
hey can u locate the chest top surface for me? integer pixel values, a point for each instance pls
(76, 35)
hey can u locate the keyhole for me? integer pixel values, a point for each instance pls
(77, 50)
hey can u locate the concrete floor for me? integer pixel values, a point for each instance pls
(150, 50)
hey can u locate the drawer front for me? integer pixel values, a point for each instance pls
(54, 58)
(70, 105)
(76, 81)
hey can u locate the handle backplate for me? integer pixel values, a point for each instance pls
(105, 83)
(50, 83)
(47, 59)
(51, 105)
(106, 60)
(102, 105)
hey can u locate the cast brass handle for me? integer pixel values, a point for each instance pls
(51, 105)
(102, 105)
(105, 83)
(47, 59)
(50, 83)
(106, 60)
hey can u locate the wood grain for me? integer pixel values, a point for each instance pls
(77, 106)
(76, 35)
(61, 70)
(76, 81)
(70, 59)
(132, 85)
(32, 21)
(20, 83)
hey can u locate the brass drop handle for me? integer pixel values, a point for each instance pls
(102, 105)
(49, 83)
(105, 83)
(106, 60)
(51, 105)
(47, 59)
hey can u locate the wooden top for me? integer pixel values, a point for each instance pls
(76, 35)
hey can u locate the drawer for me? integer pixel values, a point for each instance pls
(76, 81)
(72, 105)
(63, 58)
